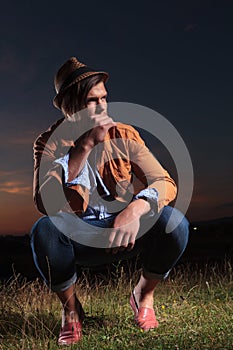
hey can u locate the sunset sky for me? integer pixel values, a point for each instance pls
(175, 57)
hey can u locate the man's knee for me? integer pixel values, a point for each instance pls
(40, 227)
(173, 220)
(41, 234)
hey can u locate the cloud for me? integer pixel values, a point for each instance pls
(8, 61)
(15, 187)
(190, 27)
(6, 174)
(26, 140)
(18, 136)
(225, 205)
(199, 198)
(13, 64)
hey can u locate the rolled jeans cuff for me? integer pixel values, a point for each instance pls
(64, 285)
(155, 276)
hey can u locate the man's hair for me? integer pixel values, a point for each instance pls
(75, 97)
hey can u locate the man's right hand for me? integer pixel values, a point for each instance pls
(93, 124)
(93, 131)
(97, 128)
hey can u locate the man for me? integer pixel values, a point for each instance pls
(104, 198)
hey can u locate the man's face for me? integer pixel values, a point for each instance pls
(96, 101)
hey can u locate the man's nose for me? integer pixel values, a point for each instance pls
(99, 108)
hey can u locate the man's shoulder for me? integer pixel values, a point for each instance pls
(124, 131)
(123, 126)
(44, 136)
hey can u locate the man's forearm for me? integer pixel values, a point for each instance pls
(77, 158)
(138, 207)
(83, 147)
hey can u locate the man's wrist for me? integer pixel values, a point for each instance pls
(139, 207)
(84, 144)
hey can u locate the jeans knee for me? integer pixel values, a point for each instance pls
(39, 230)
(173, 219)
(174, 224)
(44, 237)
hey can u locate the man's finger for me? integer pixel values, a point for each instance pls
(120, 239)
(130, 246)
(122, 249)
(115, 250)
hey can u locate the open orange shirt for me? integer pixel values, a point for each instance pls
(124, 163)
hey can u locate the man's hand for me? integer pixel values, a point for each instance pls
(97, 128)
(126, 226)
(94, 118)
(93, 129)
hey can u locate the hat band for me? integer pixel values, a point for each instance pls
(75, 75)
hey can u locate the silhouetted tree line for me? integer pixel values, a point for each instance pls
(209, 241)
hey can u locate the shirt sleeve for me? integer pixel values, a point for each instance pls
(151, 195)
(150, 172)
(85, 178)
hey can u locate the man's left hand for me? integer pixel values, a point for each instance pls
(126, 226)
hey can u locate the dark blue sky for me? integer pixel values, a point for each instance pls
(174, 57)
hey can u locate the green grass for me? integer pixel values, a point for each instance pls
(194, 309)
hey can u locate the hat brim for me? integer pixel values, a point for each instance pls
(58, 98)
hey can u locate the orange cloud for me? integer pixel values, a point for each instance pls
(27, 139)
(15, 187)
(22, 141)
(17, 214)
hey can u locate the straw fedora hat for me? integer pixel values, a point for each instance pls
(70, 73)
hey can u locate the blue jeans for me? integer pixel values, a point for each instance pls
(56, 255)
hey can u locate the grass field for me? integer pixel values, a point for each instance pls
(194, 308)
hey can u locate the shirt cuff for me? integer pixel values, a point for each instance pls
(84, 176)
(150, 195)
